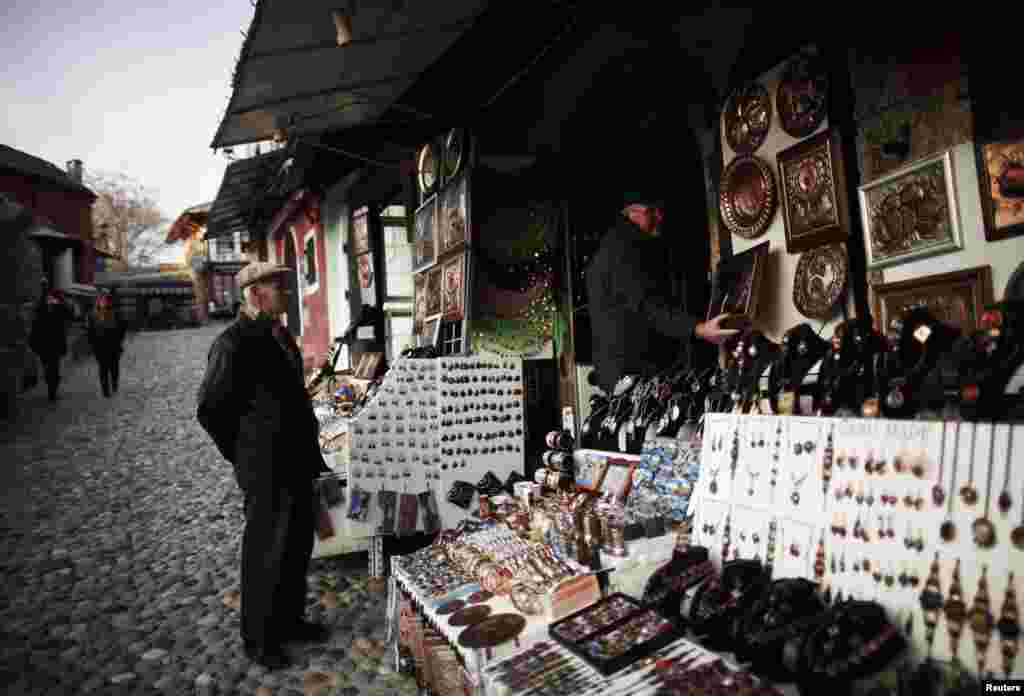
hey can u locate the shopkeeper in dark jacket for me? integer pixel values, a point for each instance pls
(639, 318)
(253, 403)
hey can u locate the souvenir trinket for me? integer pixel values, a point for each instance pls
(1009, 627)
(1005, 500)
(955, 611)
(984, 530)
(938, 493)
(981, 621)
(968, 492)
(948, 529)
(932, 603)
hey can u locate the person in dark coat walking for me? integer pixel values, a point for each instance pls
(640, 323)
(49, 337)
(254, 405)
(106, 336)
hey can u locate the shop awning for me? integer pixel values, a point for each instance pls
(245, 183)
(189, 223)
(292, 73)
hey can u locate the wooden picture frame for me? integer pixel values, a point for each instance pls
(1001, 180)
(360, 236)
(424, 251)
(911, 213)
(618, 478)
(453, 219)
(738, 284)
(957, 298)
(453, 288)
(433, 292)
(813, 192)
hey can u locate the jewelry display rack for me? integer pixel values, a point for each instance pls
(923, 517)
(429, 424)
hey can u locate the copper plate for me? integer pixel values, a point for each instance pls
(747, 118)
(802, 96)
(469, 615)
(427, 168)
(454, 152)
(747, 197)
(493, 631)
(820, 280)
(451, 607)
(481, 596)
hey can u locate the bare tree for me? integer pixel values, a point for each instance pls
(126, 217)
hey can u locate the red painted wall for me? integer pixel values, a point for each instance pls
(70, 211)
(315, 339)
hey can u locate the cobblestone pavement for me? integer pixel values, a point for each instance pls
(120, 532)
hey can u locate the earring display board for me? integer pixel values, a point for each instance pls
(883, 510)
(431, 424)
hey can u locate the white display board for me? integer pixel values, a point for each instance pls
(821, 517)
(434, 422)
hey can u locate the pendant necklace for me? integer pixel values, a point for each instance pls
(1005, 501)
(753, 476)
(826, 462)
(956, 613)
(931, 604)
(776, 455)
(713, 485)
(1017, 535)
(798, 483)
(769, 559)
(984, 530)
(1009, 626)
(948, 529)
(969, 493)
(735, 452)
(938, 493)
(981, 621)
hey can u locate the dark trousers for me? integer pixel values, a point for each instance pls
(51, 369)
(110, 371)
(276, 547)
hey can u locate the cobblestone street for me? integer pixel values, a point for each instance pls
(121, 530)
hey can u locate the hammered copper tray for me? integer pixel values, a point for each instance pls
(493, 631)
(802, 95)
(820, 279)
(747, 196)
(469, 615)
(747, 117)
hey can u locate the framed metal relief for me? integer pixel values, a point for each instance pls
(433, 291)
(746, 196)
(1001, 177)
(425, 244)
(452, 217)
(453, 288)
(911, 213)
(820, 279)
(360, 232)
(738, 283)
(747, 117)
(814, 203)
(802, 95)
(419, 320)
(957, 298)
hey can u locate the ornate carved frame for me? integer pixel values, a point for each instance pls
(988, 204)
(827, 145)
(972, 287)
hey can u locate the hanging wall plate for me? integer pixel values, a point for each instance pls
(455, 147)
(802, 96)
(747, 117)
(427, 166)
(819, 281)
(747, 196)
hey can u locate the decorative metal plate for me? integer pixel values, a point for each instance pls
(493, 631)
(469, 615)
(820, 279)
(427, 168)
(747, 197)
(802, 95)
(747, 118)
(454, 152)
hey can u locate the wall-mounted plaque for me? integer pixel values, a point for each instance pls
(747, 118)
(433, 291)
(813, 186)
(956, 298)
(747, 197)
(739, 281)
(452, 217)
(820, 279)
(1001, 176)
(802, 96)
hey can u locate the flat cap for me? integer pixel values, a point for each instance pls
(260, 270)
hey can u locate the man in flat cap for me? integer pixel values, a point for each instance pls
(640, 322)
(253, 403)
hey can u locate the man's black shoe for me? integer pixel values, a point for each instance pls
(273, 658)
(306, 632)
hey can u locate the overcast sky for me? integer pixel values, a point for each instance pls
(135, 87)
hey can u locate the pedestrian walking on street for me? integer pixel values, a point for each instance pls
(253, 404)
(106, 336)
(49, 337)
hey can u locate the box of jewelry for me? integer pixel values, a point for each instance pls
(614, 632)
